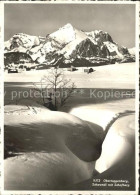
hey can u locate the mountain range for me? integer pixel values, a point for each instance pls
(66, 47)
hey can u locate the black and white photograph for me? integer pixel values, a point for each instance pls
(70, 97)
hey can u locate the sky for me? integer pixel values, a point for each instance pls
(41, 19)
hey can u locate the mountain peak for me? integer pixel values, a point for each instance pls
(64, 35)
(68, 25)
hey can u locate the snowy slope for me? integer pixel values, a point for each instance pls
(132, 51)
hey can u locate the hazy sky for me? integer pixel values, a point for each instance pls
(40, 19)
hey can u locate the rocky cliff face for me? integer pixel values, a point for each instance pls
(65, 46)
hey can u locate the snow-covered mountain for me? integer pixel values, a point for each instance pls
(21, 42)
(132, 51)
(67, 46)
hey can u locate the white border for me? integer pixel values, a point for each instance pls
(137, 96)
(5, 192)
(2, 90)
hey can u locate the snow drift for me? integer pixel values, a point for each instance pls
(46, 150)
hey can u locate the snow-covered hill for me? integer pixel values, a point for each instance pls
(66, 46)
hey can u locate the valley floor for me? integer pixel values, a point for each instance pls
(108, 76)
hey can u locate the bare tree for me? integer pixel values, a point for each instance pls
(55, 89)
